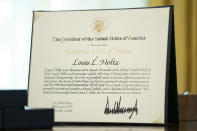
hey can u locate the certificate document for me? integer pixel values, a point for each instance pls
(100, 65)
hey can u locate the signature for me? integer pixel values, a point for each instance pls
(118, 109)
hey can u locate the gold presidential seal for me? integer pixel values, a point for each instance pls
(99, 25)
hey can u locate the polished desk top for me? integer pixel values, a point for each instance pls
(182, 126)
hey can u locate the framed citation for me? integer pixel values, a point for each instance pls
(104, 66)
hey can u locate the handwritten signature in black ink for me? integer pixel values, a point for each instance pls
(119, 109)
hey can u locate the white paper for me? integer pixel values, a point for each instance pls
(85, 62)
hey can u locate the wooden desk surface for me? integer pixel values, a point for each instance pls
(182, 126)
